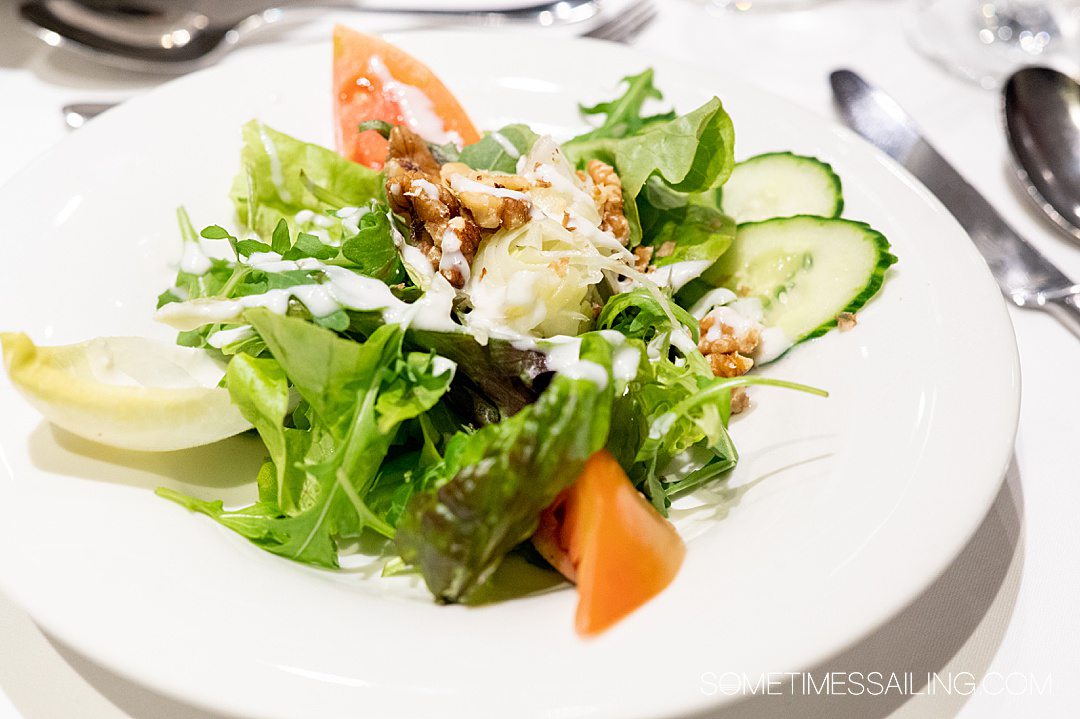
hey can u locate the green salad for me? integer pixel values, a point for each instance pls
(432, 350)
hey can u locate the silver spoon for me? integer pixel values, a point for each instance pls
(166, 38)
(1042, 122)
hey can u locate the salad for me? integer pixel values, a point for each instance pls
(459, 346)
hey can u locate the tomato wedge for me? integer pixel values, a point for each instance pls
(373, 80)
(601, 534)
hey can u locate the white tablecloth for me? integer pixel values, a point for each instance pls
(1008, 608)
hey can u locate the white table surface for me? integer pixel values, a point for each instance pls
(1008, 607)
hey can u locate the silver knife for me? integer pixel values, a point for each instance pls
(1024, 275)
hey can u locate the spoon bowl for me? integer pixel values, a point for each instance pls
(1042, 123)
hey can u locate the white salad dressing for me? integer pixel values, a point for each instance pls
(452, 256)
(505, 144)
(224, 338)
(678, 274)
(441, 365)
(305, 217)
(420, 185)
(350, 218)
(564, 358)
(625, 363)
(276, 175)
(661, 425)
(728, 315)
(194, 261)
(682, 340)
(343, 288)
(774, 342)
(712, 298)
(460, 183)
(416, 107)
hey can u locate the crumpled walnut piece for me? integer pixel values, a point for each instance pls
(607, 194)
(489, 211)
(728, 353)
(846, 321)
(415, 190)
(643, 255)
(740, 400)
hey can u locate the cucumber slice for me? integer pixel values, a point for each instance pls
(805, 270)
(781, 184)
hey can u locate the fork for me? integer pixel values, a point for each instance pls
(626, 26)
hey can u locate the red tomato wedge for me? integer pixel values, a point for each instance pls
(603, 535)
(373, 80)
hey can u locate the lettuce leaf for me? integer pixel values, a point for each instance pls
(486, 495)
(690, 153)
(688, 229)
(275, 178)
(684, 155)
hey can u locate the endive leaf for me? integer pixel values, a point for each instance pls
(126, 392)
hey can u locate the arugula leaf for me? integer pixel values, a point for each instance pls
(372, 248)
(623, 115)
(260, 389)
(281, 242)
(486, 495)
(246, 248)
(191, 286)
(270, 185)
(357, 396)
(307, 245)
(217, 232)
(491, 154)
(672, 416)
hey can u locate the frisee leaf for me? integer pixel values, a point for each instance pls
(639, 315)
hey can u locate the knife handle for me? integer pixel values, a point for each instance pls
(1067, 311)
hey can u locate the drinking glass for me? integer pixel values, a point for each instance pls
(986, 40)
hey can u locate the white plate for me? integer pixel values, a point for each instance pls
(863, 498)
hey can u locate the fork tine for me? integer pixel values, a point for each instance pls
(627, 24)
(613, 29)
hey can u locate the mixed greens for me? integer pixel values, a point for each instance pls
(437, 422)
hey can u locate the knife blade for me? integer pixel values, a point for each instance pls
(1024, 275)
